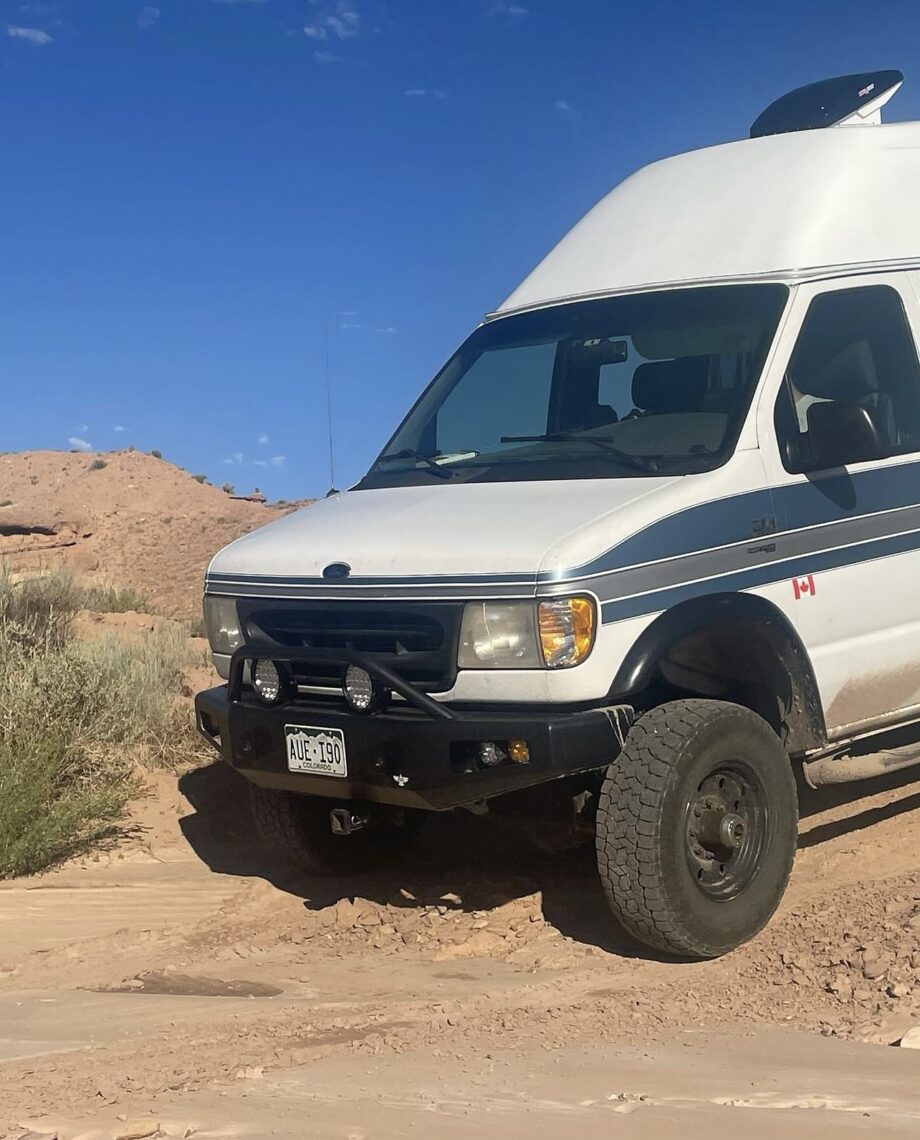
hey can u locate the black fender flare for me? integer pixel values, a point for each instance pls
(805, 714)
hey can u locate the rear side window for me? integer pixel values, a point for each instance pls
(855, 348)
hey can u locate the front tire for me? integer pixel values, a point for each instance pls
(697, 828)
(298, 829)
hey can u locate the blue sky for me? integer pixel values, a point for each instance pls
(195, 191)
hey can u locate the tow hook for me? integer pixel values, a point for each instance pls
(344, 822)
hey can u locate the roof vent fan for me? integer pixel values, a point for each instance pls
(842, 102)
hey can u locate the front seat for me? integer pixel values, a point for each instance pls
(850, 377)
(668, 386)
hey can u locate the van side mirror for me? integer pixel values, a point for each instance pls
(841, 433)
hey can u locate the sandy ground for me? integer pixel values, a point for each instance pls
(183, 981)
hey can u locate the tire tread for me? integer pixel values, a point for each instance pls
(629, 822)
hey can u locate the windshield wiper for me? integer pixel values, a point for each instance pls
(434, 467)
(638, 462)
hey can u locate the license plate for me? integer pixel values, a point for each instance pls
(319, 751)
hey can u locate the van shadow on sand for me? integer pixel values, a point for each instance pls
(482, 860)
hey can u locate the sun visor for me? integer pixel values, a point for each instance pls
(692, 339)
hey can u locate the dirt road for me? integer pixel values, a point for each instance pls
(184, 981)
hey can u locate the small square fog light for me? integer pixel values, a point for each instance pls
(519, 751)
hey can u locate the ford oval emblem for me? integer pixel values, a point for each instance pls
(335, 571)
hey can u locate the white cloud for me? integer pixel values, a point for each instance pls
(78, 444)
(327, 57)
(341, 21)
(148, 17)
(387, 330)
(513, 10)
(236, 457)
(426, 93)
(263, 438)
(275, 461)
(34, 36)
(240, 1)
(118, 427)
(567, 109)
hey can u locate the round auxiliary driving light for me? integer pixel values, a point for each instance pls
(359, 688)
(266, 680)
(490, 754)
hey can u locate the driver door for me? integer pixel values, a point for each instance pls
(841, 443)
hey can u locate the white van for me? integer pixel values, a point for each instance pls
(650, 538)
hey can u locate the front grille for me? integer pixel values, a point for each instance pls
(418, 640)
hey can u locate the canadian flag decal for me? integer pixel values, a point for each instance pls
(804, 587)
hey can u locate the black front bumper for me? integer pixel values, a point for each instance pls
(407, 756)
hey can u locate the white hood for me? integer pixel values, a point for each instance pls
(475, 529)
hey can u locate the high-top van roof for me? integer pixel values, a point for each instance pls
(785, 206)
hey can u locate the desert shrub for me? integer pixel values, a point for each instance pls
(6, 503)
(113, 600)
(227, 488)
(97, 465)
(55, 598)
(156, 453)
(75, 716)
(39, 611)
(200, 478)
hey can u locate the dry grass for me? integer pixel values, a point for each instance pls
(75, 718)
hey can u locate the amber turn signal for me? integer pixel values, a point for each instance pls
(567, 627)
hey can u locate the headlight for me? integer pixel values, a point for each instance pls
(499, 635)
(223, 625)
(552, 634)
(566, 630)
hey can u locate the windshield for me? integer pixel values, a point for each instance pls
(637, 385)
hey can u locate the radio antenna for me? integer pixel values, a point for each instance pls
(332, 487)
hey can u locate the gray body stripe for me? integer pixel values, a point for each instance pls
(253, 588)
(351, 582)
(719, 523)
(813, 542)
(812, 502)
(796, 567)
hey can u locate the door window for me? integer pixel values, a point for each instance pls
(852, 388)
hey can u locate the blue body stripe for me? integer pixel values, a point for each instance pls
(658, 600)
(697, 528)
(838, 497)
(721, 523)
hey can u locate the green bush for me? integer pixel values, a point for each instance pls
(113, 600)
(75, 716)
(97, 465)
(63, 595)
(156, 453)
(200, 478)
